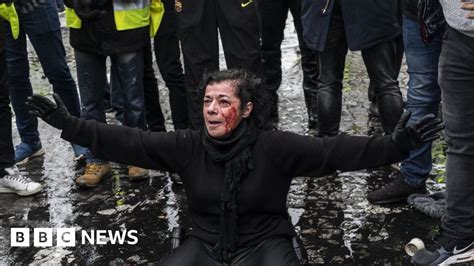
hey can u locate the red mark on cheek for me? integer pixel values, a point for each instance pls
(230, 119)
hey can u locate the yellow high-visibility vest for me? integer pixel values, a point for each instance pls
(128, 15)
(8, 12)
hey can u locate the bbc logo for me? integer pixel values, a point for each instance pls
(66, 237)
(42, 237)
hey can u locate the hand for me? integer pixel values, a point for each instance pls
(411, 137)
(52, 113)
(86, 10)
(26, 6)
(468, 6)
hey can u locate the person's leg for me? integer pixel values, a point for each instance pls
(270, 252)
(456, 79)
(129, 67)
(239, 29)
(191, 252)
(91, 77)
(115, 94)
(424, 96)
(52, 55)
(309, 64)
(167, 52)
(154, 115)
(273, 15)
(6, 144)
(381, 62)
(11, 180)
(198, 32)
(20, 87)
(331, 72)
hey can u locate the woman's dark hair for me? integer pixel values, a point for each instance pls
(248, 89)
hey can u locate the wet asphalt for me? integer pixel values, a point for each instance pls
(336, 223)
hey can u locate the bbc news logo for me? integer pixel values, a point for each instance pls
(66, 237)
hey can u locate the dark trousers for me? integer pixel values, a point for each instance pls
(167, 54)
(42, 28)
(239, 29)
(7, 153)
(381, 62)
(274, 14)
(456, 79)
(92, 78)
(271, 252)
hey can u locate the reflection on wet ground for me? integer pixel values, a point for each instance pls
(337, 224)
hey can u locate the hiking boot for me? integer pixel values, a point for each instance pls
(93, 173)
(136, 173)
(25, 152)
(396, 191)
(446, 251)
(13, 182)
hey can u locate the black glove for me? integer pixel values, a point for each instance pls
(52, 113)
(87, 10)
(411, 137)
(26, 6)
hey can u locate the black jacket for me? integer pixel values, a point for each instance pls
(278, 157)
(366, 22)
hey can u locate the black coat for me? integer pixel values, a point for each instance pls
(278, 157)
(367, 22)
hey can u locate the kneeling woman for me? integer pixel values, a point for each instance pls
(236, 173)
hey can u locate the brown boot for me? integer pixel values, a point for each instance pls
(93, 173)
(136, 173)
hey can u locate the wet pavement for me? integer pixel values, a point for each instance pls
(336, 223)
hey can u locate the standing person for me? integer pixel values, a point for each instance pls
(43, 30)
(423, 97)
(274, 14)
(119, 30)
(168, 53)
(229, 165)
(238, 23)
(455, 243)
(11, 181)
(332, 27)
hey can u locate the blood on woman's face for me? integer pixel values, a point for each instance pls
(222, 109)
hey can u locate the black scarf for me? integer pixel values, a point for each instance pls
(236, 155)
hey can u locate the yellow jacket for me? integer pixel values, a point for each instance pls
(8, 12)
(128, 15)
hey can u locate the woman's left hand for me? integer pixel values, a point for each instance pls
(413, 136)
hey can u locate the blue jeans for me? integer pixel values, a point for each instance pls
(456, 79)
(43, 29)
(424, 95)
(92, 76)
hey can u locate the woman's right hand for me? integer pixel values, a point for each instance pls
(413, 136)
(52, 113)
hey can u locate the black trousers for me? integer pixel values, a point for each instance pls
(167, 53)
(238, 22)
(6, 145)
(274, 14)
(382, 65)
(271, 252)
